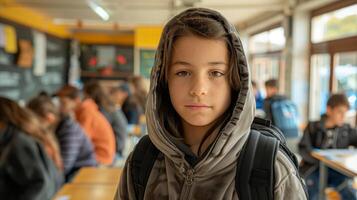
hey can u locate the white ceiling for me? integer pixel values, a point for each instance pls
(149, 12)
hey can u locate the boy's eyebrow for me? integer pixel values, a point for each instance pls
(214, 63)
(181, 63)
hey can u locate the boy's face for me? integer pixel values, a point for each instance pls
(337, 114)
(119, 96)
(198, 80)
(68, 105)
(271, 91)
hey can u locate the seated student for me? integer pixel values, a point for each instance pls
(329, 132)
(131, 106)
(106, 105)
(119, 95)
(139, 90)
(76, 149)
(92, 121)
(26, 171)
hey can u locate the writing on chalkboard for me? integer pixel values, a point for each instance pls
(9, 79)
(55, 61)
(12, 94)
(53, 46)
(5, 58)
(51, 78)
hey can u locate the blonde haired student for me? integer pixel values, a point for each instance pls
(199, 114)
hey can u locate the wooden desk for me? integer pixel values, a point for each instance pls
(72, 191)
(93, 175)
(341, 160)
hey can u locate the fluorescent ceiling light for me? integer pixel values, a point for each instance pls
(99, 10)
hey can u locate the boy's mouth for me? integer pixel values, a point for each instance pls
(197, 106)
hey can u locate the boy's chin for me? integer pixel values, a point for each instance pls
(198, 123)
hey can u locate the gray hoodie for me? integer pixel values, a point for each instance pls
(213, 177)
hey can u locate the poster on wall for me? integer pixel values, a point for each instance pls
(40, 53)
(147, 58)
(10, 39)
(25, 56)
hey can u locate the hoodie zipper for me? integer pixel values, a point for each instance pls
(186, 189)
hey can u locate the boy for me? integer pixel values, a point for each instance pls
(330, 132)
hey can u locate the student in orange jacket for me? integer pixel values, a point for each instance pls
(93, 122)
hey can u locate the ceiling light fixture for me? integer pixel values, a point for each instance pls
(98, 9)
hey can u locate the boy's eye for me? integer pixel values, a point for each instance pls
(216, 74)
(182, 73)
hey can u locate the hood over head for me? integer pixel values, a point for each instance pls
(162, 119)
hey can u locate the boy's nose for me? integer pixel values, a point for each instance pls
(199, 87)
(197, 93)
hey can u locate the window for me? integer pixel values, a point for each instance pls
(319, 80)
(333, 57)
(266, 67)
(271, 40)
(346, 79)
(266, 49)
(337, 24)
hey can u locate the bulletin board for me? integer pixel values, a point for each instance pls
(107, 60)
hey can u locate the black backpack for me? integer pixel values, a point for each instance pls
(254, 176)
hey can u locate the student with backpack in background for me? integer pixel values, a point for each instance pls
(280, 110)
(199, 113)
(330, 132)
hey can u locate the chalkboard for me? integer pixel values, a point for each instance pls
(10, 82)
(5, 58)
(147, 58)
(20, 83)
(56, 61)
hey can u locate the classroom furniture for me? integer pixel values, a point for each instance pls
(91, 183)
(74, 191)
(341, 160)
(93, 175)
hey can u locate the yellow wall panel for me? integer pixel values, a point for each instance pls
(29, 17)
(96, 38)
(147, 37)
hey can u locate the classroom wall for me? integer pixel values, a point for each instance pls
(146, 41)
(29, 17)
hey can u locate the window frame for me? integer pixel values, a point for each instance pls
(331, 47)
(274, 53)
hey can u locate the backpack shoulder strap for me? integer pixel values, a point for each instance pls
(143, 159)
(255, 169)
